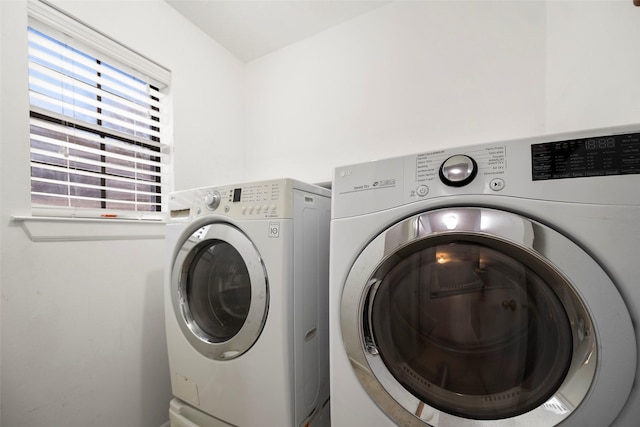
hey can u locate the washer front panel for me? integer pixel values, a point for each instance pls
(460, 316)
(219, 290)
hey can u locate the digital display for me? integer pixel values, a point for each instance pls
(237, 194)
(597, 156)
(600, 143)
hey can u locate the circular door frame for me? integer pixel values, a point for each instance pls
(202, 234)
(592, 323)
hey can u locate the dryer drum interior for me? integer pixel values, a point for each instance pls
(467, 329)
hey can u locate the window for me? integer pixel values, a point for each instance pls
(99, 145)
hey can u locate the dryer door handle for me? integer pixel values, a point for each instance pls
(370, 292)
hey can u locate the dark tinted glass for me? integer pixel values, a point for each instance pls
(219, 290)
(470, 330)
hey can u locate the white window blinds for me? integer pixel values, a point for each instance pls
(98, 145)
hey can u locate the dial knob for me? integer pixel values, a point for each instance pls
(458, 170)
(212, 200)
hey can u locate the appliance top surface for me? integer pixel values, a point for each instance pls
(255, 200)
(600, 166)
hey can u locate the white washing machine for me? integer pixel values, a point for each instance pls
(246, 302)
(490, 285)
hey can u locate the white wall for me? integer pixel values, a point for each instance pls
(593, 61)
(414, 75)
(407, 77)
(82, 324)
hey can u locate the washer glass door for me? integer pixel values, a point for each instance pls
(461, 315)
(220, 291)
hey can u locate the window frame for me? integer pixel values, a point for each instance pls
(74, 33)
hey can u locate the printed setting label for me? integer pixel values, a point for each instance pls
(428, 164)
(493, 161)
(274, 230)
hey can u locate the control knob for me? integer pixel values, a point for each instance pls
(212, 199)
(458, 170)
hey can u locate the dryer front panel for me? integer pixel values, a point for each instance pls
(219, 290)
(463, 316)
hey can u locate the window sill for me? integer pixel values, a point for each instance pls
(53, 229)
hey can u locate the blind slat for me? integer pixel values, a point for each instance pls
(52, 81)
(80, 114)
(95, 77)
(70, 130)
(95, 187)
(118, 169)
(45, 47)
(96, 199)
(61, 144)
(88, 174)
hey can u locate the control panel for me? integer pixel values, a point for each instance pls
(264, 199)
(603, 164)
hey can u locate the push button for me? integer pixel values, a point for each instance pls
(422, 191)
(497, 184)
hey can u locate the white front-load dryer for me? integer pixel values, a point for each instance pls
(490, 285)
(246, 303)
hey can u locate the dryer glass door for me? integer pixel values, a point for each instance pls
(469, 329)
(220, 290)
(461, 314)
